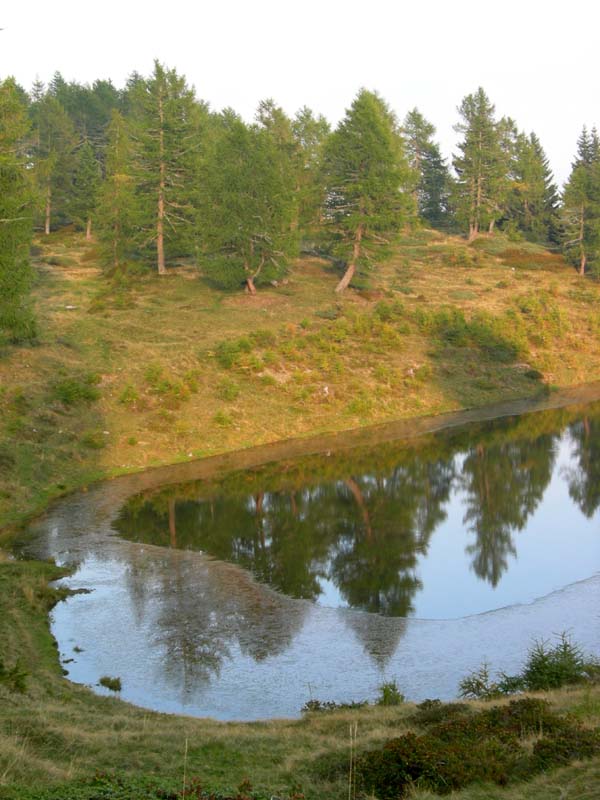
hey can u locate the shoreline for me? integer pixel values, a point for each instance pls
(404, 429)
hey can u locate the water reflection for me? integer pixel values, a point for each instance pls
(584, 476)
(327, 527)
(503, 484)
(230, 596)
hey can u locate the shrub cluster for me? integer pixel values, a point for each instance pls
(14, 678)
(497, 337)
(546, 667)
(74, 390)
(490, 745)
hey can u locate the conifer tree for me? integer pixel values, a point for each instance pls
(310, 133)
(118, 213)
(581, 205)
(480, 166)
(53, 153)
(249, 206)
(432, 179)
(86, 185)
(367, 179)
(166, 146)
(16, 218)
(533, 205)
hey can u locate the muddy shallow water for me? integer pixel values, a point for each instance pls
(241, 587)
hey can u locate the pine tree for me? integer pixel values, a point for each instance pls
(86, 185)
(16, 318)
(367, 179)
(118, 213)
(432, 179)
(250, 204)
(480, 167)
(166, 146)
(581, 205)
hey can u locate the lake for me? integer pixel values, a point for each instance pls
(240, 590)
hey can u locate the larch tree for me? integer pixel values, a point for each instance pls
(480, 165)
(581, 205)
(431, 190)
(367, 181)
(249, 206)
(118, 213)
(16, 218)
(166, 144)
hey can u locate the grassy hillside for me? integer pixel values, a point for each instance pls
(156, 370)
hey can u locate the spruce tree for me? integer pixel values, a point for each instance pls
(16, 318)
(432, 179)
(249, 206)
(581, 205)
(86, 185)
(533, 205)
(480, 166)
(54, 157)
(367, 179)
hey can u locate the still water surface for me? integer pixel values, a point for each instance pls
(241, 596)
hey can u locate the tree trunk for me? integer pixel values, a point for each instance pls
(360, 502)
(172, 524)
(473, 231)
(351, 269)
(581, 235)
(48, 209)
(250, 285)
(160, 219)
(491, 226)
(88, 230)
(115, 244)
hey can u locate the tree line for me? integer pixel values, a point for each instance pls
(155, 176)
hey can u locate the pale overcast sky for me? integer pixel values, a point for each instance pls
(539, 62)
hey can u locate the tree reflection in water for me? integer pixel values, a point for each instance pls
(358, 522)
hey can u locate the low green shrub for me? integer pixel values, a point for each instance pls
(330, 705)
(566, 746)
(432, 712)
(228, 390)
(94, 440)
(14, 678)
(129, 396)
(113, 684)
(228, 352)
(223, 419)
(389, 694)
(74, 390)
(464, 748)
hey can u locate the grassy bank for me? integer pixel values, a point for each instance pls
(156, 370)
(57, 733)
